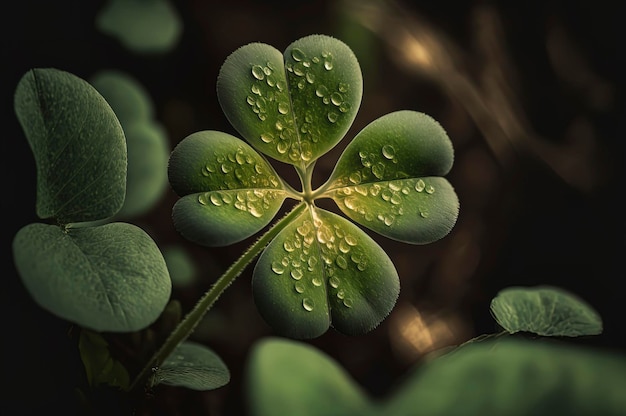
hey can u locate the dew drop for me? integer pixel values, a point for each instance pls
(299, 287)
(317, 281)
(430, 189)
(202, 199)
(328, 64)
(334, 281)
(310, 77)
(378, 170)
(420, 185)
(216, 200)
(388, 151)
(332, 117)
(336, 98)
(307, 304)
(351, 240)
(255, 90)
(347, 302)
(298, 69)
(278, 267)
(424, 213)
(283, 108)
(341, 293)
(321, 91)
(344, 247)
(296, 274)
(282, 147)
(341, 262)
(355, 178)
(288, 246)
(395, 199)
(297, 54)
(267, 137)
(257, 72)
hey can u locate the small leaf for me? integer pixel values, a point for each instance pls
(322, 270)
(107, 278)
(296, 106)
(514, 377)
(388, 179)
(285, 377)
(126, 96)
(100, 366)
(193, 366)
(229, 191)
(546, 311)
(149, 26)
(78, 145)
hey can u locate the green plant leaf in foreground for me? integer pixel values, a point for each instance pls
(514, 377)
(107, 278)
(285, 377)
(78, 145)
(546, 311)
(193, 366)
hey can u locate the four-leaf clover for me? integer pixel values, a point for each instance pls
(320, 270)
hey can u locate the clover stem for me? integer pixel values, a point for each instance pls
(306, 175)
(184, 329)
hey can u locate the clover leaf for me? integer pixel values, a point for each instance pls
(319, 270)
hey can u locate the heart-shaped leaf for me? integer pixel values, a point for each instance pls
(106, 278)
(141, 25)
(320, 270)
(388, 178)
(78, 145)
(295, 106)
(229, 191)
(546, 311)
(193, 366)
(514, 377)
(285, 377)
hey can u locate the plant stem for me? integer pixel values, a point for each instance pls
(184, 329)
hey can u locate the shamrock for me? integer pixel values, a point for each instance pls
(320, 269)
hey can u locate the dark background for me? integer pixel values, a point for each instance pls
(546, 76)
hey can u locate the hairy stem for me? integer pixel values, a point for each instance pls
(191, 320)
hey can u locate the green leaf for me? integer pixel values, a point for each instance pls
(193, 366)
(388, 179)
(78, 145)
(515, 377)
(296, 106)
(320, 270)
(181, 266)
(147, 26)
(146, 140)
(285, 377)
(229, 191)
(107, 278)
(100, 366)
(546, 311)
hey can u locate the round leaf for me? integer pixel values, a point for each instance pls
(285, 377)
(78, 145)
(107, 278)
(322, 270)
(388, 179)
(229, 191)
(292, 107)
(127, 97)
(517, 378)
(193, 366)
(141, 25)
(546, 311)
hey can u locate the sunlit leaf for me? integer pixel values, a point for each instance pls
(100, 366)
(322, 270)
(193, 366)
(149, 26)
(514, 377)
(285, 377)
(295, 106)
(229, 191)
(388, 178)
(544, 310)
(78, 145)
(107, 278)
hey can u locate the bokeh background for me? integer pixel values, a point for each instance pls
(532, 97)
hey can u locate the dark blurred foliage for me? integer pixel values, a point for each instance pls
(531, 94)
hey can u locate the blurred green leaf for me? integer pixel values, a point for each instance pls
(322, 270)
(145, 26)
(545, 310)
(193, 366)
(106, 278)
(514, 377)
(285, 377)
(182, 268)
(78, 145)
(100, 366)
